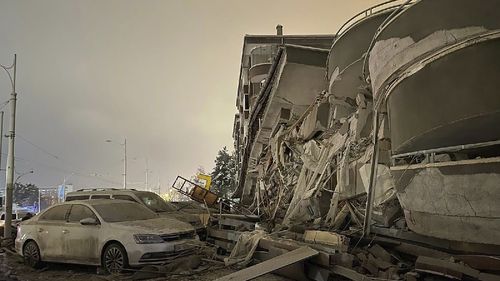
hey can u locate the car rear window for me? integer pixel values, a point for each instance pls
(57, 213)
(123, 211)
(13, 217)
(77, 197)
(101, 196)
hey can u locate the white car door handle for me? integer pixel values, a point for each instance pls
(65, 231)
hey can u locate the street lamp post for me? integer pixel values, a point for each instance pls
(23, 174)
(124, 162)
(39, 199)
(9, 177)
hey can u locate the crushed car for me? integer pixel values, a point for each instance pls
(114, 234)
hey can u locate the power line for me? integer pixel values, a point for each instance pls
(4, 104)
(60, 159)
(38, 147)
(66, 171)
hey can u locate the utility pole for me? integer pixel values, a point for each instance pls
(9, 177)
(124, 163)
(39, 199)
(124, 159)
(1, 134)
(1, 140)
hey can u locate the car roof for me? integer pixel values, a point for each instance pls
(106, 191)
(93, 202)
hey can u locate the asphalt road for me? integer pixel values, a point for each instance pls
(12, 268)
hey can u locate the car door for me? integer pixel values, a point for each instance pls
(49, 232)
(81, 242)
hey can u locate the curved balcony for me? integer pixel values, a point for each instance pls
(436, 71)
(345, 62)
(262, 54)
(450, 74)
(406, 36)
(258, 72)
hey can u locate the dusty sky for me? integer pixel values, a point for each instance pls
(163, 74)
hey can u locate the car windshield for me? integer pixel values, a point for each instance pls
(126, 211)
(155, 202)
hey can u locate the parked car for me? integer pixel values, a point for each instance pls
(112, 233)
(149, 199)
(16, 219)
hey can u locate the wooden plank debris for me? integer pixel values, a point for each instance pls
(271, 265)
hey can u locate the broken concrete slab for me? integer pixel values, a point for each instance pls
(271, 265)
(350, 273)
(481, 262)
(333, 239)
(444, 268)
(379, 252)
(316, 121)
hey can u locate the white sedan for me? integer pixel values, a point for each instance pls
(111, 233)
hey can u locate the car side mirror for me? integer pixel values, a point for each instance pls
(89, 221)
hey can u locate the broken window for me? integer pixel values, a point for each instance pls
(246, 102)
(285, 113)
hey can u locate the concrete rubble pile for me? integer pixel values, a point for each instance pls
(400, 139)
(316, 167)
(318, 163)
(361, 139)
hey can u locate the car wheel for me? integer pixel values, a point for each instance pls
(114, 258)
(31, 254)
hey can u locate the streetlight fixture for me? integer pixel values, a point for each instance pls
(23, 174)
(124, 161)
(9, 177)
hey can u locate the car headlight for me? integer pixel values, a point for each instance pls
(147, 239)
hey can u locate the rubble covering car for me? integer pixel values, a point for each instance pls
(112, 233)
(149, 199)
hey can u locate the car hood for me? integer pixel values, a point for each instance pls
(189, 218)
(161, 225)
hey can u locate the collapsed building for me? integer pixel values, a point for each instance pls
(390, 126)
